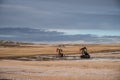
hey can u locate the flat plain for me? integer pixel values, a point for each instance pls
(103, 65)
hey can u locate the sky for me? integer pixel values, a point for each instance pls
(80, 21)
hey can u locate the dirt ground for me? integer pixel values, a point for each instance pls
(103, 65)
(60, 70)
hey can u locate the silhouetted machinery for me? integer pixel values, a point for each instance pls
(59, 50)
(84, 52)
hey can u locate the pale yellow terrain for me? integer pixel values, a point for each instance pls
(89, 69)
(51, 49)
(60, 70)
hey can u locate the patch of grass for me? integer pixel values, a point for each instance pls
(51, 49)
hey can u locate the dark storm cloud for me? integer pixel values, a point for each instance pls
(41, 35)
(1, 1)
(64, 14)
(28, 34)
(27, 31)
(32, 20)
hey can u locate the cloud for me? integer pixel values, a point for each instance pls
(28, 34)
(44, 35)
(50, 20)
(60, 14)
(27, 31)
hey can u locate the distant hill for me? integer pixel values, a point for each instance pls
(7, 43)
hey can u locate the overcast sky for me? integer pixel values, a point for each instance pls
(72, 17)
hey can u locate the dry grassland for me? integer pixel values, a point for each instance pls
(61, 69)
(26, 50)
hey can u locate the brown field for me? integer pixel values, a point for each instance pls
(26, 50)
(61, 69)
